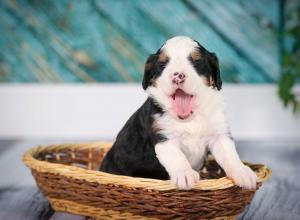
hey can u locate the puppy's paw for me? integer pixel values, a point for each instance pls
(243, 176)
(184, 179)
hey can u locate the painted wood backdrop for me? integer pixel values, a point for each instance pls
(109, 40)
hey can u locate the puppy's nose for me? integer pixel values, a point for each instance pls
(178, 78)
(179, 75)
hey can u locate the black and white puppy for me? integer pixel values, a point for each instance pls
(169, 135)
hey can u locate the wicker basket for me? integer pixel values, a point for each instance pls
(67, 174)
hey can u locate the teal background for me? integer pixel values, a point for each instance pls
(109, 41)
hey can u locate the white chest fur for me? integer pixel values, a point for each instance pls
(192, 136)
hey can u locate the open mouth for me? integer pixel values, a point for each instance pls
(182, 103)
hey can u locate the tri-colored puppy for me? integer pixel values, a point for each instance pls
(169, 135)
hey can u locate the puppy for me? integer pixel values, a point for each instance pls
(169, 136)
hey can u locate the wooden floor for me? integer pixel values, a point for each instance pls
(279, 198)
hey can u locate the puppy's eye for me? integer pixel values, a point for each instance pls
(162, 64)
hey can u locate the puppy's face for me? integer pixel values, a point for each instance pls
(181, 74)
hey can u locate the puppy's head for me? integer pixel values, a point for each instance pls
(180, 74)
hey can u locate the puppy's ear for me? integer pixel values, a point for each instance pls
(149, 70)
(214, 71)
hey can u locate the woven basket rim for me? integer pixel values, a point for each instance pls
(263, 173)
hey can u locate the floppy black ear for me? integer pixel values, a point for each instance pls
(215, 70)
(149, 70)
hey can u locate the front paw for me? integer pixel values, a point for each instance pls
(243, 176)
(184, 179)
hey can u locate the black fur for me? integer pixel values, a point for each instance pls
(208, 66)
(214, 70)
(153, 69)
(133, 152)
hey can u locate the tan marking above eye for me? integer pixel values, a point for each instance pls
(149, 65)
(196, 55)
(162, 57)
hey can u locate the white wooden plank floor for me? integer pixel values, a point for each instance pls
(278, 199)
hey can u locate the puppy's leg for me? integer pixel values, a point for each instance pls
(176, 164)
(223, 150)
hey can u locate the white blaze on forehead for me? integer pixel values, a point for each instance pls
(179, 46)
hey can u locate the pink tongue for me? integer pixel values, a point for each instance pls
(182, 103)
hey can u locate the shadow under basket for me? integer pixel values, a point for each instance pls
(67, 174)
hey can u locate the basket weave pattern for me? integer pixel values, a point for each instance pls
(68, 176)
